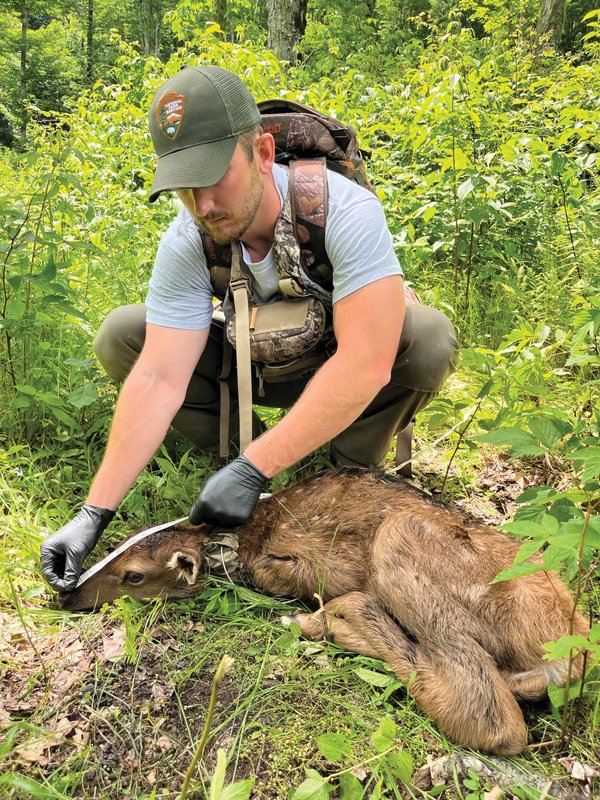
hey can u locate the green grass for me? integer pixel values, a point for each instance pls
(128, 725)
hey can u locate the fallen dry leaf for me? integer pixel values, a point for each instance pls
(113, 644)
(361, 774)
(5, 719)
(36, 750)
(579, 771)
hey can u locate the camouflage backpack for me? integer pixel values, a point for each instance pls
(308, 142)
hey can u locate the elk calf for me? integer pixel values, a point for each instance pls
(404, 579)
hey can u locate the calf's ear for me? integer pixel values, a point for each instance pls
(188, 565)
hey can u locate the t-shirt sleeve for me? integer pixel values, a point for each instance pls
(357, 238)
(180, 293)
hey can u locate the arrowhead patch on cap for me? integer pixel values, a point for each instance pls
(169, 113)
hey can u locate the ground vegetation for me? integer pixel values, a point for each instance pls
(484, 139)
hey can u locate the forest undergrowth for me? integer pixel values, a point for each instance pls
(484, 154)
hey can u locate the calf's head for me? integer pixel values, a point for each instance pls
(168, 563)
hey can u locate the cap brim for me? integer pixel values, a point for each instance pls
(195, 167)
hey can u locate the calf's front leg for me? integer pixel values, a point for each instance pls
(328, 623)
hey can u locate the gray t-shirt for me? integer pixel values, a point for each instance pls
(357, 240)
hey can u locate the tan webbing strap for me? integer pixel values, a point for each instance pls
(225, 397)
(240, 287)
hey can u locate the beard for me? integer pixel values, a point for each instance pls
(223, 226)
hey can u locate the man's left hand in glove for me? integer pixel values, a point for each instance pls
(229, 496)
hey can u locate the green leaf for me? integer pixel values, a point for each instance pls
(350, 787)
(51, 399)
(84, 395)
(465, 189)
(429, 213)
(15, 309)
(529, 528)
(544, 431)
(556, 555)
(315, 787)
(557, 694)
(63, 417)
(385, 735)
(590, 459)
(518, 571)
(216, 785)
(372, 677)
(401, 764)
(565, 511)
(25, 388)
(21, 402)
(538, 494)
(48, 274)
(562, 648)
(526, 550)
(557, 163)
(592, 536)
(520, 442)
(240, 790)
(70, 309)
(334, 746)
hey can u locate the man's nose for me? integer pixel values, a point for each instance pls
(203, 202)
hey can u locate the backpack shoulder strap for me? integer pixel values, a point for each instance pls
(309, 206)
(218, 261)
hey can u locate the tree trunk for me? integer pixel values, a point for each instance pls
(220, 13)
(371, 7)
(23, 81)
(287, 23)
(89, 54)
(552, 19)
(150, 21)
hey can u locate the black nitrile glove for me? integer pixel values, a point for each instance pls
(63, 553)
(230, 495)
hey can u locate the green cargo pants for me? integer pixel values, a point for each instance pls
(426, 356)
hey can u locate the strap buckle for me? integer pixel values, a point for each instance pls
(291, 288)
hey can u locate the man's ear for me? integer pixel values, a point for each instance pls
(265, 153)
(187, 564)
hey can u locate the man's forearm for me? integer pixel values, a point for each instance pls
(368, 326)
(142, 417)
(321, 412)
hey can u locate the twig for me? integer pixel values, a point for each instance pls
(429, 448)
(565, 737)
(224, 667)
(568, 221)
(461, 436)
(539, 745)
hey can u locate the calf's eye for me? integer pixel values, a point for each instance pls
(133, 577)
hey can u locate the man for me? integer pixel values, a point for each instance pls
(388, 363)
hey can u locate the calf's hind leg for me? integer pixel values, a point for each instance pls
(460, 688)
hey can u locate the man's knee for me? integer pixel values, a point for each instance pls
(428, 350)
(120, 339)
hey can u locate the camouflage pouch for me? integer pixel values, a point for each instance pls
(221, 552)
(283, 329)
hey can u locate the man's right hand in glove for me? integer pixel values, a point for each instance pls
(63, 553)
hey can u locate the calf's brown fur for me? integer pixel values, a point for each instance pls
(404, 579)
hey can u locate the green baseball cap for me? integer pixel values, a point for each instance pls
(196, 118)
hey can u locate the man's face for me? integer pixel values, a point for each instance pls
(227, 209)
